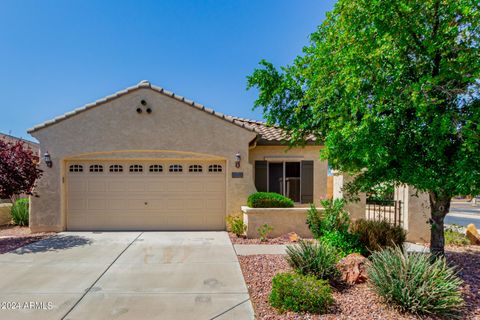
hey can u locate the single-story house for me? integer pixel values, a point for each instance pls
(27, 143)
(145, 158)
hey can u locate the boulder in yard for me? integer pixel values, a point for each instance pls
(353, 269)
(292, 236)
(472, 234)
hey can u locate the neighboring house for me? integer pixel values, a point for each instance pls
(147, 159)
(35, 147)
(29, 144)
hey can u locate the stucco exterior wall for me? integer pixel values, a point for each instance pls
(280, 153)
(5, 213)
(415, 213)
(115, 130)
(282, 220)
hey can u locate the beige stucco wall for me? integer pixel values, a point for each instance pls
(357, 208)
(5, 213)
(115, 130)
(415, 213)
(279, 153)
(282, 220)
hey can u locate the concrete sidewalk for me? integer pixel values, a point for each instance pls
(125, 275)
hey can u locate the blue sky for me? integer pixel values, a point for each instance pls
(58, 55)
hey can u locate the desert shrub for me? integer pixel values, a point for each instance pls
(334, 217)
(415, 283)
(331, 226)
(300, 293)
(269, 200)
(345, 242)
(19, 212)
(236, 225)
(455, 238)
(377, 235)
(264, 231)
(314, 221)
(318, 259)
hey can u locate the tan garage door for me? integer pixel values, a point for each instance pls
(164, 195)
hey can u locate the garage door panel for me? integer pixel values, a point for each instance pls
(117, 186)
(146, 200)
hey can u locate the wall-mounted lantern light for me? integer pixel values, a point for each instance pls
(238, 158)
(48, 159)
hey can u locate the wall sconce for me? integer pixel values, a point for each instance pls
(238, 158)
(48, 159)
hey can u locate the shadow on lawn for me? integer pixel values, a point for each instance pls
(54, 243)
(468, 265)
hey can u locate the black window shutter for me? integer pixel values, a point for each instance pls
(261, 178)
(307, 182)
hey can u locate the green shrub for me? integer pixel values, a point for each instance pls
(19, 212)
(314, 221)
(236, 225)
(377, 235)
(455, 238)
(334, 217)
(269, 200)
(331, 226)
(415, 283)
(264, 231)
(299, 293)
(346, 243)
(318, 259)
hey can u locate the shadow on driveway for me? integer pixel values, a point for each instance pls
(54, 243)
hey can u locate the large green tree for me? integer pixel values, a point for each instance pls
(391, 88)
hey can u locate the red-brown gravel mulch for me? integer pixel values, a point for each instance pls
(278, 240)
(355, 302)
(14, 237)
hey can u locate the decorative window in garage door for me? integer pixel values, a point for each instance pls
(195, 168)
(175, 168)
(76, 168)
(96, 168)
(116, 168)
(155, 168)
(215, 168)
(136, 168)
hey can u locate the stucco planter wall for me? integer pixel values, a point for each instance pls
(283, 221)
(5, 215)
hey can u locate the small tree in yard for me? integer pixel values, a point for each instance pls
(18, 169)
(392, 90)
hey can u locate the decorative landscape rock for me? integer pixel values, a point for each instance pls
(472, 234)
(352, 268)
(292, 236)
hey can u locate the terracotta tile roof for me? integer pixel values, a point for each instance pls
(266, 133)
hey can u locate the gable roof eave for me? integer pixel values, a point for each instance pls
(147, 85)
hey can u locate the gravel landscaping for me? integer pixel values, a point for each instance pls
(355, 302)
(14, 237)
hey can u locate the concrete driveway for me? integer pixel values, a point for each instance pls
(124, 275)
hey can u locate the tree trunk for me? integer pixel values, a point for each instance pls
(439, 206)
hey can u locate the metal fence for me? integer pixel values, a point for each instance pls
(387, 210)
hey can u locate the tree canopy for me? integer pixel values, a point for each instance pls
(391, 88)
(18, 169)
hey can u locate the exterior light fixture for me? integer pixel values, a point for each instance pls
(238, 158)
(48, 159)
